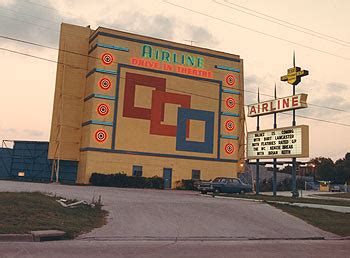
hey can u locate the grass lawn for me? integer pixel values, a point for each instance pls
(331, 221)
(290, 199)
(337, 195)
(24, 212)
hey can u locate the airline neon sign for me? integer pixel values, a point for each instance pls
(278, 105)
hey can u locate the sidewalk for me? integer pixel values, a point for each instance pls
(342, 209)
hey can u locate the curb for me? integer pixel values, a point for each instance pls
(34, 236)
(209, 239)
(16, 238)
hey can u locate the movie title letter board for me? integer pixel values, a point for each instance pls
(287, 142)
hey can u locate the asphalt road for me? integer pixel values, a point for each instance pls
(172, 220)
(160, 214)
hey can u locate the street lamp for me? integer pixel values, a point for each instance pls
(314, 171)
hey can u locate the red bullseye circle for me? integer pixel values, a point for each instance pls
(107, 58)
(105, 83)
(101, 135)
(230, 102)
(229, 125)
(230, 80)
(103, 109)
(229, 148)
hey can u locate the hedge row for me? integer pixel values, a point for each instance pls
(122, 180)
(284, 185)
(185, 184)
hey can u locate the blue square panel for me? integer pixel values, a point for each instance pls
(182, 144)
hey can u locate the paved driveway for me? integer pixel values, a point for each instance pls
(142, 214)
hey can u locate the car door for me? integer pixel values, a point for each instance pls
(235, 186)
(229, 187)
(223, 185)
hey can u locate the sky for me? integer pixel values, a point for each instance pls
(264, 34)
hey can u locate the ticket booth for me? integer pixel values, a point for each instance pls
(325, 186)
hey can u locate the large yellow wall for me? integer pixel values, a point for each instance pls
(65, 136)
(132, 134)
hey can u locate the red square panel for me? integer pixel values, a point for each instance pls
(131, 81)
(159, 99)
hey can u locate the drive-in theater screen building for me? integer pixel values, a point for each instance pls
(145, 106)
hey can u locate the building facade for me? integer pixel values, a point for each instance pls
(145, 106)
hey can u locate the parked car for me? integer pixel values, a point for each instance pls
(203, 186)
(230, 185)
(335, 188)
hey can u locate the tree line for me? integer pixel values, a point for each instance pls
(338, 172)
(325, 169)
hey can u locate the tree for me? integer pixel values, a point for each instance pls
(325, 169)
(342, 168)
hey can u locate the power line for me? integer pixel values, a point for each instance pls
(38, 25)
(26, 14)
(76, 53)
(183, 7)
(48, 7)
(76, 67)
(266, 34)
(256, 31)
(75, 16)
(283, 23)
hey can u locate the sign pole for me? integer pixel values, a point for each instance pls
(295, 192)
(293, 77)
(274, 180)
(257, 181)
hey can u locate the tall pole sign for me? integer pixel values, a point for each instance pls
(285, 142)
(274, 179)
(257, 181)
(293, 77)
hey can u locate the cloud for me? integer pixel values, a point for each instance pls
(15, 133)
(334, 102)
(30, 22)
(337, 86)
(9, 130)
(32, 132)
(200, 36)
(252, 81)
(158, 26)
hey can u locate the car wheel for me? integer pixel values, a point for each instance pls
(216, 192)
(242, 192)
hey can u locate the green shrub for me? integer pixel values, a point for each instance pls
(185, 184)
(284, 185)
(125, 181)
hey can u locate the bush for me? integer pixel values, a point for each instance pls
(185, 184)
(125, 181)
(284, 185)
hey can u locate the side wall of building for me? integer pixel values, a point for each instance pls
(67, 115)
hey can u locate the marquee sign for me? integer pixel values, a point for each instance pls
(278, 105)
(284, 142)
